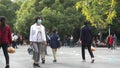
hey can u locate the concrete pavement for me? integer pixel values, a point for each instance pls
(66, 58)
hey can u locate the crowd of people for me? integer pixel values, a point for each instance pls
(68, 41)
(110, 42)
(39, 38)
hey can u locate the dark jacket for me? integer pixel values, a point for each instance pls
(54, 42)
(86, 35)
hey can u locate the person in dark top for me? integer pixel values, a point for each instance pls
(54, 43)
(86, 39)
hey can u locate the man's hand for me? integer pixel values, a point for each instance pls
(80, 41)
(44, 43)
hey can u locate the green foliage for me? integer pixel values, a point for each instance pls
(99, 12)
(26, 16)
(61, 14)
(116, 22)
(57, 14)
(8, 9)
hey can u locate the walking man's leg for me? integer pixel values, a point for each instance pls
(91, 53)
(83, 52)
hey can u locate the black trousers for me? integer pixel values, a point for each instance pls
(89, 50)
(4, 47)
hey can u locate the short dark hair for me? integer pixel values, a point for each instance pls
(39, 17)
(54, 31)
(2, 18)
(3, 21)
(86, 22)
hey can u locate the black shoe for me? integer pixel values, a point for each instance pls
(7, 66)
(54, 60)
(37, 65)
(43, 61)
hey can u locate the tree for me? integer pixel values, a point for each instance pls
(8, 9)
(99, 12)
(25, 16)
(63, 16)
(116, 22)
(56, 14)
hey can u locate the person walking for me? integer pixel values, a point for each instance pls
(65, 43)
(71, 41)
(20, 40)
(86, 39)
(111, 41)
(48, 42)
(14, 40)
(37, 39)
(54, 44)
(114, 41)
(5, 38)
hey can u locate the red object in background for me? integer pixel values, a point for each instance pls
(110, 40)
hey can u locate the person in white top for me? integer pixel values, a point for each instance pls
(14, 40)
(37, 39)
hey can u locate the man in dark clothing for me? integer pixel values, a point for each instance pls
(86, 39)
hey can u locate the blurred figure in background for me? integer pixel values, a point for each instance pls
(48, 42)
(114, 41)
(14, 40)
(71, 41)
(65, 43)
(110, 41)
(21, 40)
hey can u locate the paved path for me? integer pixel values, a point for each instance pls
(66, 58)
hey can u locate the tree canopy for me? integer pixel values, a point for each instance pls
(99, 12)
(57, 14)
(62, 15)
(8, 9)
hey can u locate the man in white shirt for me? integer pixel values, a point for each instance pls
(14, 40)
(37, 39)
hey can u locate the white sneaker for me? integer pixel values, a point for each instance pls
(83, 60)
(92, 61)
